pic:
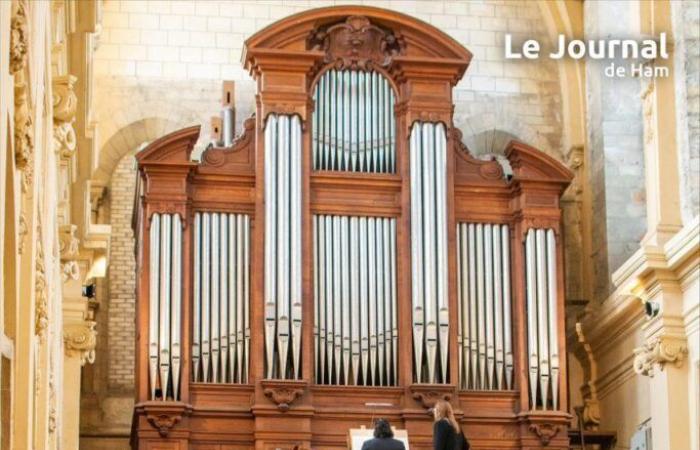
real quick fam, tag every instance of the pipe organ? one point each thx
(345, 257)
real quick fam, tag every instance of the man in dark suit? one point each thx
(383, 438)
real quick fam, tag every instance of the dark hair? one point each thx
(382, 429)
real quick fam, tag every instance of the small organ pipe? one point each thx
(531, 295)
(552, 310)
(196, 296)
(508, 344)
(542, 322)
(271, 174)
(176, 303)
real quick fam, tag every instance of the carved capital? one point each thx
(545, 431)
(80, 340)
(659, 352)
(283, 393)
(356, 43)
(64, 107)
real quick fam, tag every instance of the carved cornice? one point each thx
(80, 340)
(357, 43)
(658, 352)
(545, 431)
(283, 393)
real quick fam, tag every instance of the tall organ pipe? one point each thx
(353, 122)
(165, 306)
(483, 261)
(429, 252)
(543, 346)
(221, 313)
(356, 300)
(283, 314)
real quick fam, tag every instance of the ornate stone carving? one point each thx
(163, 422)
(545, 431)
(659, 352)
(69, 246)
(80, 340)
(590, 412)
(283, 396)
(64, 107)
(357, 44)
(41, 314)
(18, 36)
(22, 232)
(23, 133)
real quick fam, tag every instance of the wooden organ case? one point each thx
(347, 258)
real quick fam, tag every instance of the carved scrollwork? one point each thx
(163, 422)
(545, 431)
(657, 353)
(80, 340)
(429, 398)
(64, 107)
(238, 153)
(69, 247)
(283, 396)
(356, 43)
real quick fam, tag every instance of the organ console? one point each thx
(347, 249)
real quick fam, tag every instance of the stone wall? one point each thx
(615, 149)
(122, 277)
(167, 59)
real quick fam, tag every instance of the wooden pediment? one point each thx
(531, 164)
(355, 35)
(175, 147)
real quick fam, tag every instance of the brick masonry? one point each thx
(122, 280)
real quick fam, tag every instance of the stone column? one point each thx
(660, 147)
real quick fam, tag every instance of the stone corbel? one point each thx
(80, 340)
(69, 245)
(657, 353)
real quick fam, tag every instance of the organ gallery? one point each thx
(346, 257)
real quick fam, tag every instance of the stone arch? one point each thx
(127, 140)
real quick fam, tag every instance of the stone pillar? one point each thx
(660, 147)
(662, 358)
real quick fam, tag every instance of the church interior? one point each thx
(239, 224)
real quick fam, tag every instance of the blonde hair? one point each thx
(443, 410)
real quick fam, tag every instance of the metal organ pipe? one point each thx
(541, 276)
(283, 313)
(221, 294)
(165, 303)
(353, 122)
(355, 300)
(483, 281)
(429, 251)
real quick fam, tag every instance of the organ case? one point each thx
(346, 257)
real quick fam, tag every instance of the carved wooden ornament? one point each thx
(357, 44)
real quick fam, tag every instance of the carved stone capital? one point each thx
(80, 340)
(657, 353)
(545, 431)
(283, 393)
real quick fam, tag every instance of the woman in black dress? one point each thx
(447, 434)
